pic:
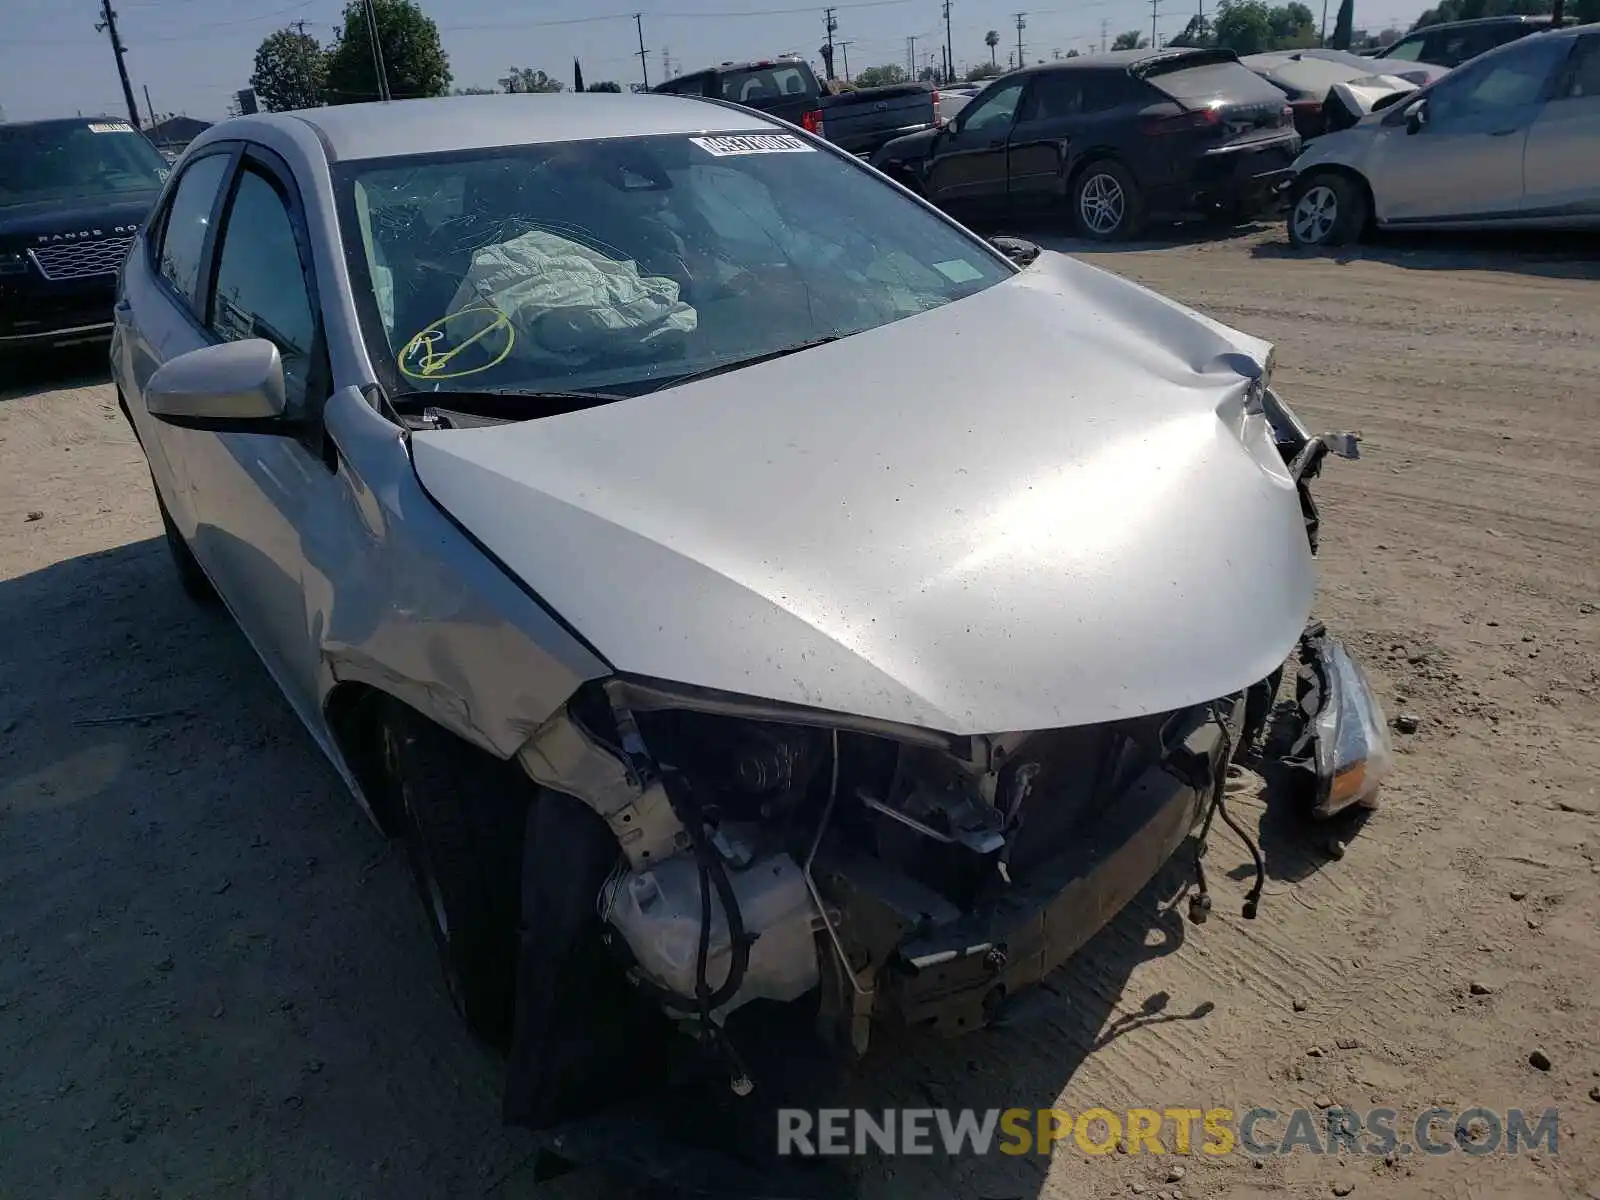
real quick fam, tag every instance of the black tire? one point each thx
(584, 1036)
(1106, 203)
(461, 813)
(1327, 208)
(190, 575)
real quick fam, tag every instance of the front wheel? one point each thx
(1105, 202)
(1327, 209)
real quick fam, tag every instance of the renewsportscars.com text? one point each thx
(1259, 1132)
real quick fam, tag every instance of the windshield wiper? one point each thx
(750, 361)
(496, 405)
(453, 398)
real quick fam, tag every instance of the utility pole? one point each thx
(1104, 25)
(108, 23)
(644, 66)
(844, 48)
(911, 57)
(376, 45)
(666, 63)
(1021, 25)
(1154, 44)
(300, 26)
(829, 25)
(949, 47)
(1322, 39)
(148, 107)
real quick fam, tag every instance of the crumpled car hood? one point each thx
(1043, 505)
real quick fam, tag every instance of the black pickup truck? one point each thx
(858, 121)
(73, 194)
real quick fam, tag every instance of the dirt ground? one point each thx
(214, 979)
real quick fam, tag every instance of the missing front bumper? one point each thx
(956, 978)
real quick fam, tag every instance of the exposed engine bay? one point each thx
(775, 852)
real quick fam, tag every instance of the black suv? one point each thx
(72, 195)
(1452, 43)
(1113, 139)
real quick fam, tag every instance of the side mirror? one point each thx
(1018, 250)
(231, 387)
(1417, 117)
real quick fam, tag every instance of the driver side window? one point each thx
(994, 111)
(1501, 84)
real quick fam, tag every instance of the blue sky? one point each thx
(193, 54)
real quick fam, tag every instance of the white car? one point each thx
(600, 479)
(1511, 139)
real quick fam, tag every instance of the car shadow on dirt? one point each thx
(1549, 255)
(32, 374)
(222, 964)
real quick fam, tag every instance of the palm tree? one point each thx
(991, 40)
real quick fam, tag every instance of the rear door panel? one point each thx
(1561, 166)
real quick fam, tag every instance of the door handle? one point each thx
(996, 143)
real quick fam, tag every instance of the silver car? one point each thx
(1510, 139)
(732, 578)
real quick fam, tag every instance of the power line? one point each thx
(949, 50)
(644, 65)
(108, 24)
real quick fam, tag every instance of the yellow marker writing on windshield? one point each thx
(424, 357)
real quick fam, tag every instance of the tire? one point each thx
(190, 575)
(584, 1036)
(461, 813)
(1327, 209)
(1106, 205)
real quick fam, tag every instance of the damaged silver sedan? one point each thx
(730, 577)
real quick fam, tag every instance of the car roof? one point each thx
(395, 128)
(1504, 19)
(755, 64)
(1126, 59)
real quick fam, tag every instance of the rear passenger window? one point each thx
(1584, 78)
(261, 289)
(188, 220)
(1406, 50)
(1052, 97)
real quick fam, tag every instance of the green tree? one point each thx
(983, 71)
(606, 85)
(1129, 41)
(1197, 32)
(1465, 10)
(991, 40)
(1342, 25)
(1243, 26)
(1071, 54)
(414, 62)
(526, 79)
(291, 71)
(1293, 26)
(883, 76)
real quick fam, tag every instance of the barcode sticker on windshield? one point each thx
(753, 143)
(110, 127)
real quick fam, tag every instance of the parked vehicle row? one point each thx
(1511, 139)
(1116, 140)
(860, 121)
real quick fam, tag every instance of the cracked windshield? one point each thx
(631, 263)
